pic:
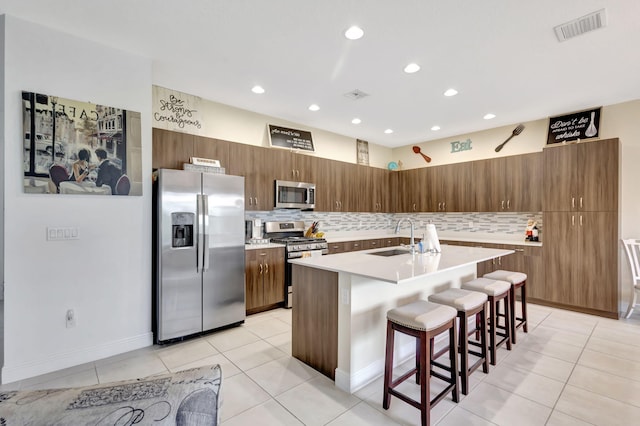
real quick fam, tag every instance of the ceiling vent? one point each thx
(582, 25)
(354, 95)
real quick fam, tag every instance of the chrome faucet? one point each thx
(412, 243)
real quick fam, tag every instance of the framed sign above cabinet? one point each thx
(284, 137)
(571, 127)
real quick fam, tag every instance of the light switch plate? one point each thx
(63, 233)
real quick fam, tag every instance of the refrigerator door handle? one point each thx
(200, 232)
(205, 231)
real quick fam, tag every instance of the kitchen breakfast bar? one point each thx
(340, 303)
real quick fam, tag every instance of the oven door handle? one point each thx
(304, 253)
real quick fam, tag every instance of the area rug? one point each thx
(187, 398)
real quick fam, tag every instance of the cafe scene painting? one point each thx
(73, 147)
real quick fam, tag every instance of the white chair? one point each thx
(632, 247)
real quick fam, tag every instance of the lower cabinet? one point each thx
(580, 253)
(264, 279)
(346, 246)
(526, 259)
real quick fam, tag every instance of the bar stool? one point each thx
(496, 291)
(468, 304)
(424, 321)
(518, 280)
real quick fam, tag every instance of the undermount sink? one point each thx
(392, 252)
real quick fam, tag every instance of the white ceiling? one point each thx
(501, 55)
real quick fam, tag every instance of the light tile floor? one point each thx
(570, 369)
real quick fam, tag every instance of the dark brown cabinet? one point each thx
(264, 279)
(581, 177)
(171, 149)
(509, 184)
(451, 188)
(261, 167)
(580, 257)
(581, 226)
(414, 188)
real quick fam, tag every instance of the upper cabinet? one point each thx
(171, 149)
(451, 188)
(509, 184)
(414, 190)
(261, 167)
(582, 176)
(501, 184)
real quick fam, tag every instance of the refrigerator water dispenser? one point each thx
(182, 229)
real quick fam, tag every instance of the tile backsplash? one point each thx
(485, 223)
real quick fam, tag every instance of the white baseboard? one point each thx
(354, 382)
(61, 360)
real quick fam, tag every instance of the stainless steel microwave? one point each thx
(295, 195)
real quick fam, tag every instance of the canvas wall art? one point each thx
(80, 148)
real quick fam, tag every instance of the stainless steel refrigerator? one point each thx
(199, 253)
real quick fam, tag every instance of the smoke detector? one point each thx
(356, 94)
(582, 25)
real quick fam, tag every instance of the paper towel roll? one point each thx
(431, 237)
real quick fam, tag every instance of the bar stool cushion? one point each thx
(488, 286)
(510, 276)
(462, 300)
(422, 315)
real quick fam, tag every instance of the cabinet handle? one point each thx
(502, 205)
(580, 220)
(573, 202)
(500, 261)
(519, 250)
(293, 173)
(297, 173)
(444, 205)
(250, 201)
(493, 261)
(414, 207)
(260, 268)
(581, 202)
(573, 220)
(266, 268)
(508, 204)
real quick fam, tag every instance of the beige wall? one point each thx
(237, 125)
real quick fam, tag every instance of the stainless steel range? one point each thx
(291, 234)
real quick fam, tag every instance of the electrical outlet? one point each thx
(71, 318)
(470, 225)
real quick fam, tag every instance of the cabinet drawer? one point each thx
(335, 248)
(372, 244)
(353, 245)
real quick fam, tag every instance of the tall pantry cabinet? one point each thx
(580, 206)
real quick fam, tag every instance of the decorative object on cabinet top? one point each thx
(417, 150)
(284, 137)
(574, 126)
(519, 128)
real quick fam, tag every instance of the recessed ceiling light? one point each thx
(411, 68)
(434, 128)
(354, 33)
(489, 116)
(257, 89)
(356, 121)
(313, 107)
(388, 131)
(451, 92)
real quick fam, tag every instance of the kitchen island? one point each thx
(340, 303)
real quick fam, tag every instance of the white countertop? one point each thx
(401, 268)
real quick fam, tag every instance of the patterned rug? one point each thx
(186, 398)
